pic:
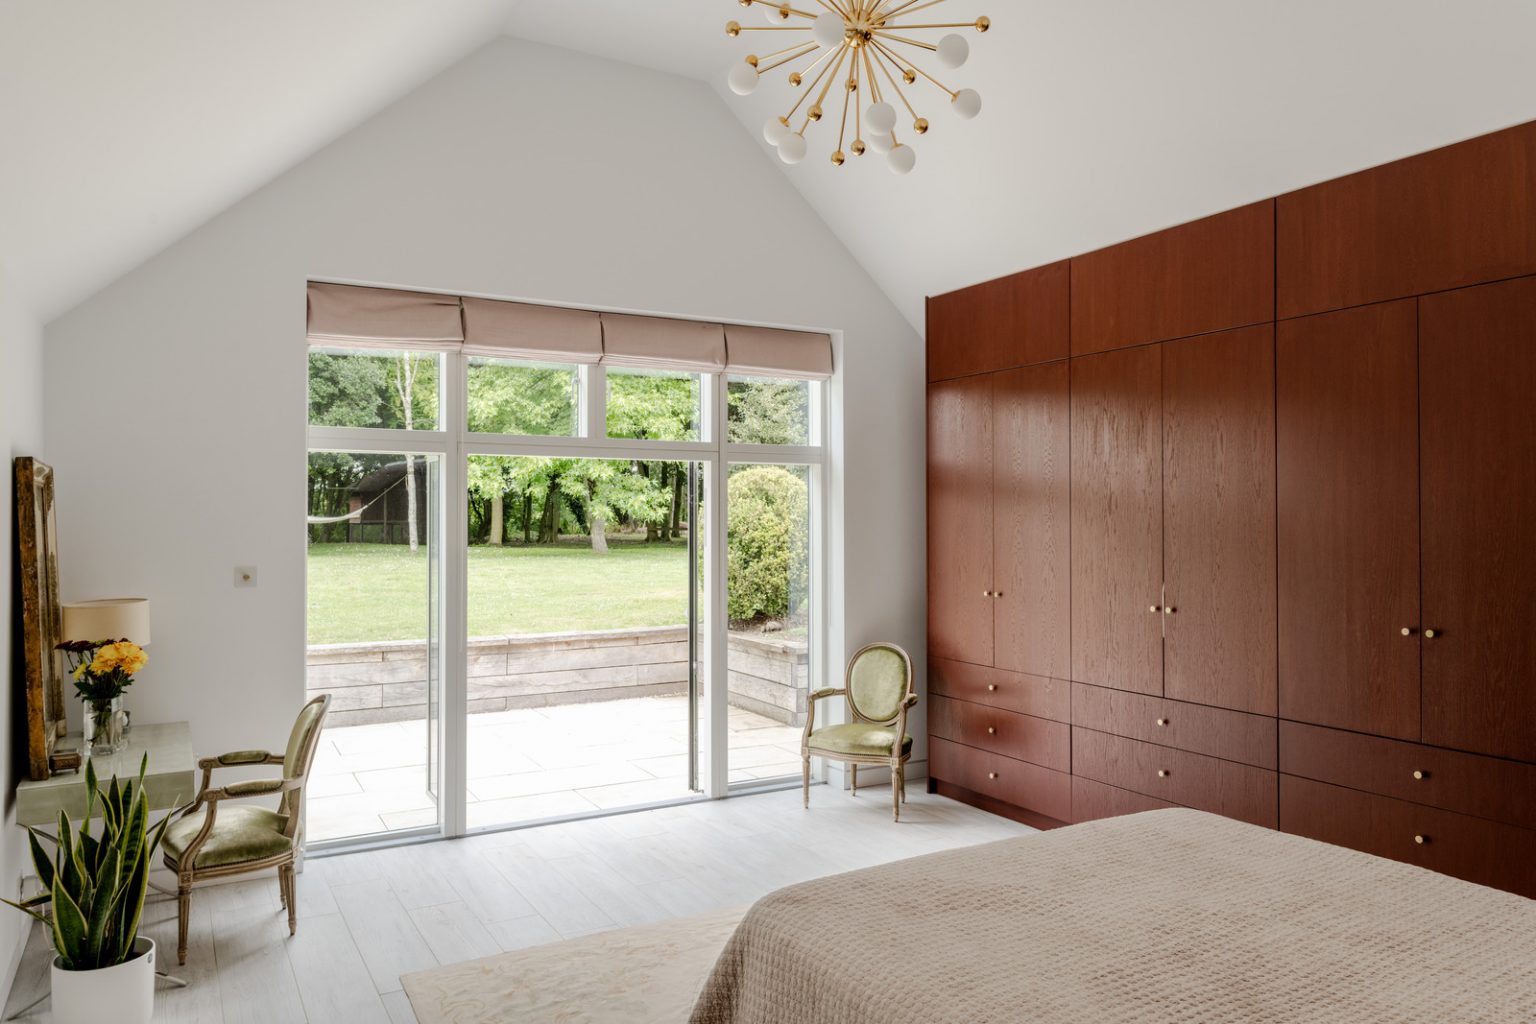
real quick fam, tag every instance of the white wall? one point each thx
(176, 396)
(21, 433)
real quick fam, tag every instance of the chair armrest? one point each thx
(242, 757)
(830, 692)
(252, 787)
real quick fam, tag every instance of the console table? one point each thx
(169, 781)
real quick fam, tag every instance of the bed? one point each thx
(1167, 917)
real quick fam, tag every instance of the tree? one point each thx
(768, 411)
(404, 380)
(767, 547)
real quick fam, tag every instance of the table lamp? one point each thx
(112, 618)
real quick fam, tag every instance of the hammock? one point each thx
(321, 520)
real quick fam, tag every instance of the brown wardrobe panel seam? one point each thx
(1182, 750)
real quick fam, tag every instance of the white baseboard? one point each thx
(839, 777)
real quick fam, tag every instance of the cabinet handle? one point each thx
(1162, 721)
(1420, 774)
(1155, 609)
(991, 730)
(1169, 611)
(986, 593)
(1162, 773)
(1421, 840)
(1407, 631)
(991, 775)
(998, 593)
(1430, 634)
(991, 686)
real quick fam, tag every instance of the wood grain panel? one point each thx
(1094, 800)
(1036, 740)
(1207, 275)
(1029, 695)
(1232, 735)
(1462, 215)
(960, 520)
(1347, 481)
(1477, 359)
(1031, 520)
(1484, 787)
(1011, 321)
(1219, 519)
(1117, 520)
(1485, 852)
(1002, 778)
(1192, 780)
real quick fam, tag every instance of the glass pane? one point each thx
(372, 628)
(537, 399)
(761, 410)
(578, 584)
(768, 603)
(659, 405)
(353, 388)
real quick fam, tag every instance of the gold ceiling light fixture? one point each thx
(866, 46)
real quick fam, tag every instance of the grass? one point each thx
(365, 592)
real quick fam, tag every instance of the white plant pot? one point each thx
(124, 994)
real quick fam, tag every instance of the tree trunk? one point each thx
(498, 512)
(527, 517)
(599, 541)
(405, 386)
(677, 500)
(549, 530)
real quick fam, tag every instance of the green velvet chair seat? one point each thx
(857, 738)
(240, 834)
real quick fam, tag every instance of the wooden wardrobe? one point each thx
(1241, 516)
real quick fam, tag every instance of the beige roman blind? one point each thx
(347, 316)
(768, 352)
(658, 343)
(521, 330)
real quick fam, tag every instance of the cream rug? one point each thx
(645, 975)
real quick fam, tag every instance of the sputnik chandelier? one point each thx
(864, 46)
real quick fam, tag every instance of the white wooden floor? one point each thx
(366, 918)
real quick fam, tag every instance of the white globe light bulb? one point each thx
(879, 143)
(792, 148)
(742, 79)
(829, 30)
(967, 103)
(953, 50)
(902, 159)
(774, 131)
(881, 117)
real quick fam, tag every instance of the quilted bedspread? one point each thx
(1168, 917)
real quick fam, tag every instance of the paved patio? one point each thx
(531, 763)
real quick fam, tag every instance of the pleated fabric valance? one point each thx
(352, 316)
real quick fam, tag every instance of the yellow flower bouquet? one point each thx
(102, 671)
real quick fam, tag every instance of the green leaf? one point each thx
(68, 929)
(41, 862)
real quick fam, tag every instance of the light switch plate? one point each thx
(245, 575)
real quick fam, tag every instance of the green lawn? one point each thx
(365, 592)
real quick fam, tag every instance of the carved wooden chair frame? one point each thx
(896, 760)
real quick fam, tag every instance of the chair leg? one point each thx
(282, 888)
(854, 785)
(901, 773)
(805, 780)
(896, 790)
(183, 916)
(286, 873)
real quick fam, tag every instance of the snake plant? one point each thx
(97, 884)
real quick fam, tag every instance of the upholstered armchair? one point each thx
(878, 688)
(213, 841)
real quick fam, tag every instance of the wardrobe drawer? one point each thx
(1025, 737)
(1486, 787)
(1012, 691)
(1094, 800)
(1230, 735)
(1486, 852)
(1235, 790)
(1002, 778)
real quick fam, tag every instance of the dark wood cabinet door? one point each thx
(1219, 519)
(1477, 359)
(1348, 488)
(1207, 275)
(960, 520)
(1013, 321)
(1031, 520)
(1462, 215)
(1117, 519)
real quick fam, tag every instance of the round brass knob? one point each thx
(1421, 840)
(998, 594)
(991, 686)
(991, 730)
(986, 593)
(991, 775)
(1169, 611)
(1154, 609)
(1162, 773)
(1430, 634)
(1162, 721)
(1407, 631)
(1421, 774)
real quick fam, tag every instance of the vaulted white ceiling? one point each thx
(124, 125)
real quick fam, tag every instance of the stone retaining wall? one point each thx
(387, 681)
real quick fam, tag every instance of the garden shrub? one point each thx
(766, 543)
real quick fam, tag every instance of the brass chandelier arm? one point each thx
(940, 24)
(887, 15)
(809, 67)
(814, 82)
(803, 51)
(842, 53)
(849, 89)
(886, 34)
(903, 96)
(894, 59)
(778, 7)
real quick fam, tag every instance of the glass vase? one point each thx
(104, 721)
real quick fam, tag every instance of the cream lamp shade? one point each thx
(113, 618)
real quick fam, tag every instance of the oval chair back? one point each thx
(879, 680)
(300, 755)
